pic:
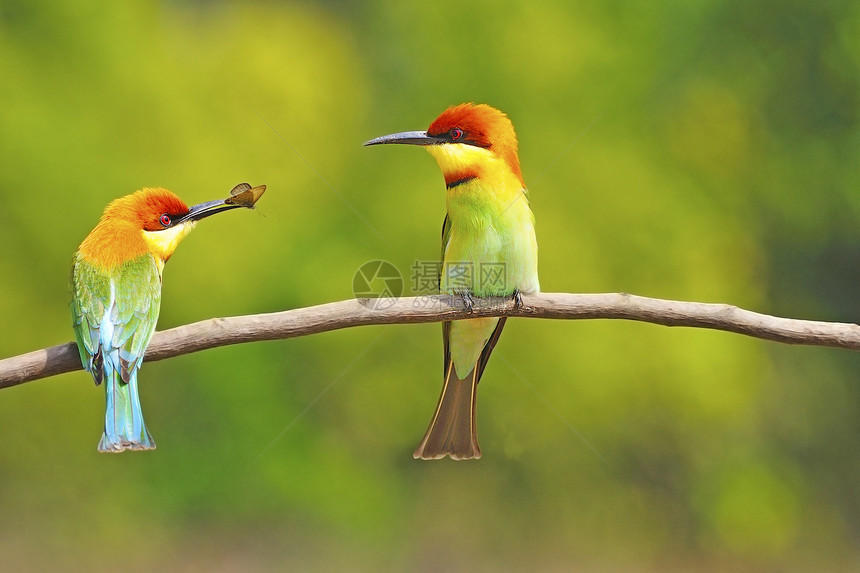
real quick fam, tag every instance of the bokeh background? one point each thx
(694, 150)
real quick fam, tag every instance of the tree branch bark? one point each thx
(362, 312)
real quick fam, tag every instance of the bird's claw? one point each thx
(467, 301)
(518, 300)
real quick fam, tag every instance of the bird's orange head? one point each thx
(468, 141)
(481, 126)
(147, 221)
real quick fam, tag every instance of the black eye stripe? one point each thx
(453, 135)
(464, 137)
(168, 220)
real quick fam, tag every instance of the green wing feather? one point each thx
(133, 314)
(90, 289)
(446, 236)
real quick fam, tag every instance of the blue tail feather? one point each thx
(124, 426)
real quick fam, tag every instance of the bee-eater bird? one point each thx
(116, 295)
(488, 249)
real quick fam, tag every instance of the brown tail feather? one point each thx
(452, 430)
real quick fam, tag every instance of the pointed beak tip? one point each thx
(406, 137)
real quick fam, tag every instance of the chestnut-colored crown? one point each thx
(145, 207)
(482, 126)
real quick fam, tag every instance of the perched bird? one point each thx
(488, 249)
(116, 295)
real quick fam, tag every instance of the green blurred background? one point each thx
(695, 150)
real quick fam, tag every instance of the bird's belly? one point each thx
(467, 339)
(490, 263)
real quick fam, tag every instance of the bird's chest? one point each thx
(478, 255)
(474, 238)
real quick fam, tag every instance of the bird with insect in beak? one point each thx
(116, 295)
(488, 249)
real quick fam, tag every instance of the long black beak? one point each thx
(206, 209)
(242, 195)
(407, 137)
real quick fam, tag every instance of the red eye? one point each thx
(456, 133)
(164, 220)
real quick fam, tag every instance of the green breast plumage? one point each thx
(488, 246)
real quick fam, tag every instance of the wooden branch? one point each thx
(361, 312)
